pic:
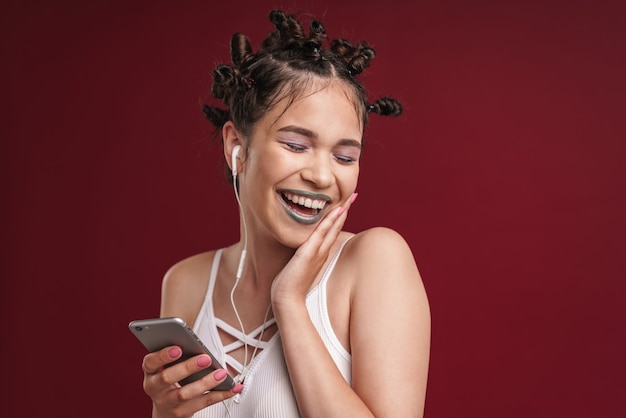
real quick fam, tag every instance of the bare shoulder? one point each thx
(380, 236)
(185, 285)
(385, 274)
(380, 249)
(397, 331)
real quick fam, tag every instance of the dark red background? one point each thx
(505, 174)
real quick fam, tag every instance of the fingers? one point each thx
(203, 388)
(158, 376)
(294, 281)
(327, 231)
(154, 362)
(200, 393)
(186, 400)
(337, 218)
(160, 383)
(342, 213)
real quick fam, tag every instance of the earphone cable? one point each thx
(239, 272)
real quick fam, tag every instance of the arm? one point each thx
(389, 330)
(182, 294)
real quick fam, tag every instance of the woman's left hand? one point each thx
(294, 281)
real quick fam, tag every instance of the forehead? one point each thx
(325, 105)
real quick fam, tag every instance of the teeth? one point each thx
(305, 201)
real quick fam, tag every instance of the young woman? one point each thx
(309, 319)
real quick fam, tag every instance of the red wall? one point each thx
(505, 174)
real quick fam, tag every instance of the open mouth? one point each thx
(304, 208)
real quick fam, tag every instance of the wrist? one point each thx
(288, 306)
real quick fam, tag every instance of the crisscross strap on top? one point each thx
(242, 339)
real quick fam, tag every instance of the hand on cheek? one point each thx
(294, 282)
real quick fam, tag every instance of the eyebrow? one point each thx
(312, 135)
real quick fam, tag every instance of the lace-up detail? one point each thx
(267, 389)
(251, 339)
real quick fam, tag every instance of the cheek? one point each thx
(269, 167)
(280, 164)
(350, 181)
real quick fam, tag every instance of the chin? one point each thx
(295, 237)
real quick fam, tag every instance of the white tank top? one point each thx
(267, 390)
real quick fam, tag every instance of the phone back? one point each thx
(158, 333)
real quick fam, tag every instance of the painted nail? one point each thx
(220, 374)
(238, 388)
(174, 352)
(353, 198)
(204, 361)
(341, 210)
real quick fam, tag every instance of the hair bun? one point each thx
(223, 82)
(386, 106)
(287, 60)
(240, 49)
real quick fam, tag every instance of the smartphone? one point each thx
(158, 333)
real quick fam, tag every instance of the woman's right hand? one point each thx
(169, 399)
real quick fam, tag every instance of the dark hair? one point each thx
(288, 62)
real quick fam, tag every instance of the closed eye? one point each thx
(295, 147)
(345, 159)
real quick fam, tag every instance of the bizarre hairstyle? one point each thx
(287, 63)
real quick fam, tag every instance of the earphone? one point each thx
(233, 160)
(242, 258)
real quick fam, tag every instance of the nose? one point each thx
(319, 171)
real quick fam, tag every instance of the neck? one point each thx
(263, 261)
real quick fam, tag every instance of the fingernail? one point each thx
(238, 388)
(174, 352)
(341, 210)
(353, 198)
(220, 374)
(204, 361)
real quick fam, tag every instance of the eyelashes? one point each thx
(345, 159)
(295, 147)
(341, 155)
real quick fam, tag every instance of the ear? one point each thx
(232, 137)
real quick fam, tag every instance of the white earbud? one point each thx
(233, 161)
(242, 257)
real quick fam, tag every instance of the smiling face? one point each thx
(302, 161)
